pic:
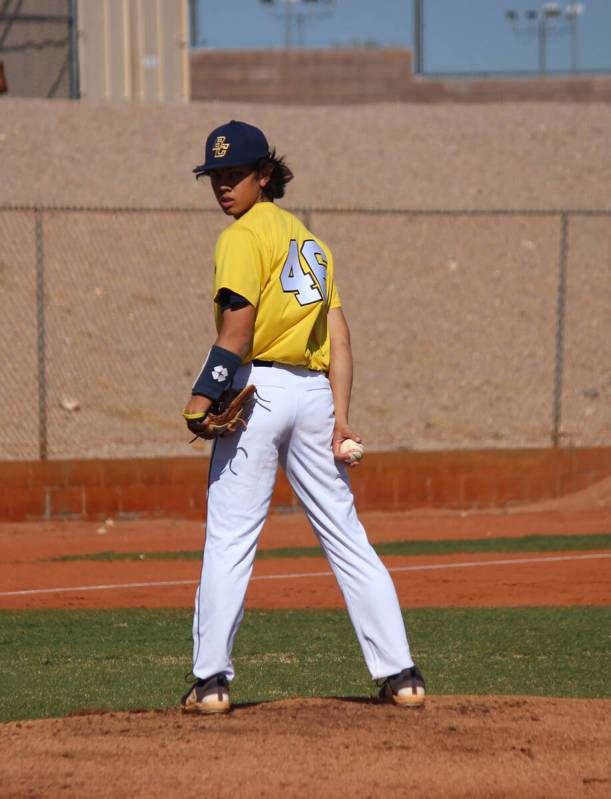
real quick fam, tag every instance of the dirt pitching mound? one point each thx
(455, 747)
(596, 497)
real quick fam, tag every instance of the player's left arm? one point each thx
(235, 336)
(340, 377)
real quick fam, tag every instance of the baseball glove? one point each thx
(224, 415)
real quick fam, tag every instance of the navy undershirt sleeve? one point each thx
(230, 299)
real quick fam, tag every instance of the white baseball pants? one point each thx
(291, 424)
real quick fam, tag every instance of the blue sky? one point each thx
(459, 35)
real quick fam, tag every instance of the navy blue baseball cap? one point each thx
(233, 144)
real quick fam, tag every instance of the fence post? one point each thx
(560, 328)
(41, 336)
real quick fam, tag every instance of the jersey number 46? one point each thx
(309, 285)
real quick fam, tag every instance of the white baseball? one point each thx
(352, 450)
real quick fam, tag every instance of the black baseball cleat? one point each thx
(405, 689)
(207, 696)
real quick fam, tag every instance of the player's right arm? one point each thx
(238, 272)
(340, 377)
(236, 330)
(235, 336)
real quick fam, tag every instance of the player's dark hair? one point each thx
(272, 165)
(280, 174)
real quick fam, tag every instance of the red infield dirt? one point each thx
(456, 747)
(27, 580)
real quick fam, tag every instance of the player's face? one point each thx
(237, 188)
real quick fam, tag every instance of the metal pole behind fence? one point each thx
(560, 328)
(41, 336)
(73, 51)
(418, 38)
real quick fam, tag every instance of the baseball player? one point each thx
(280, 327)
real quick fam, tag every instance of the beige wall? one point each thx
(133, 50)
(453, 315)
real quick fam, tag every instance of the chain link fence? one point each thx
(470, 329)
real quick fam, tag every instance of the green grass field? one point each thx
(58, 662)
(528, 543)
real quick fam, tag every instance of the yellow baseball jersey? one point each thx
(271, 259)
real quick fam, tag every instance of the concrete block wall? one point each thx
(365, 75)
(175, 487)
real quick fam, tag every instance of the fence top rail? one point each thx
(119, 209)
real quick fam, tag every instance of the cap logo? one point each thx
(220, 147)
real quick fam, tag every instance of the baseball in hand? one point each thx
(351, 450)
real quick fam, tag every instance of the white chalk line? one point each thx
(474, 564)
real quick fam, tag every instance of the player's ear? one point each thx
(265, 174)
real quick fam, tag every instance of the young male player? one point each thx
(280, 326)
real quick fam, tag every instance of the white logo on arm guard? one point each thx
(220, 373)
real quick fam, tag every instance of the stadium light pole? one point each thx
(540, 17)
(547, 11)
(573, 11)
(298, 10)
(418, 37)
